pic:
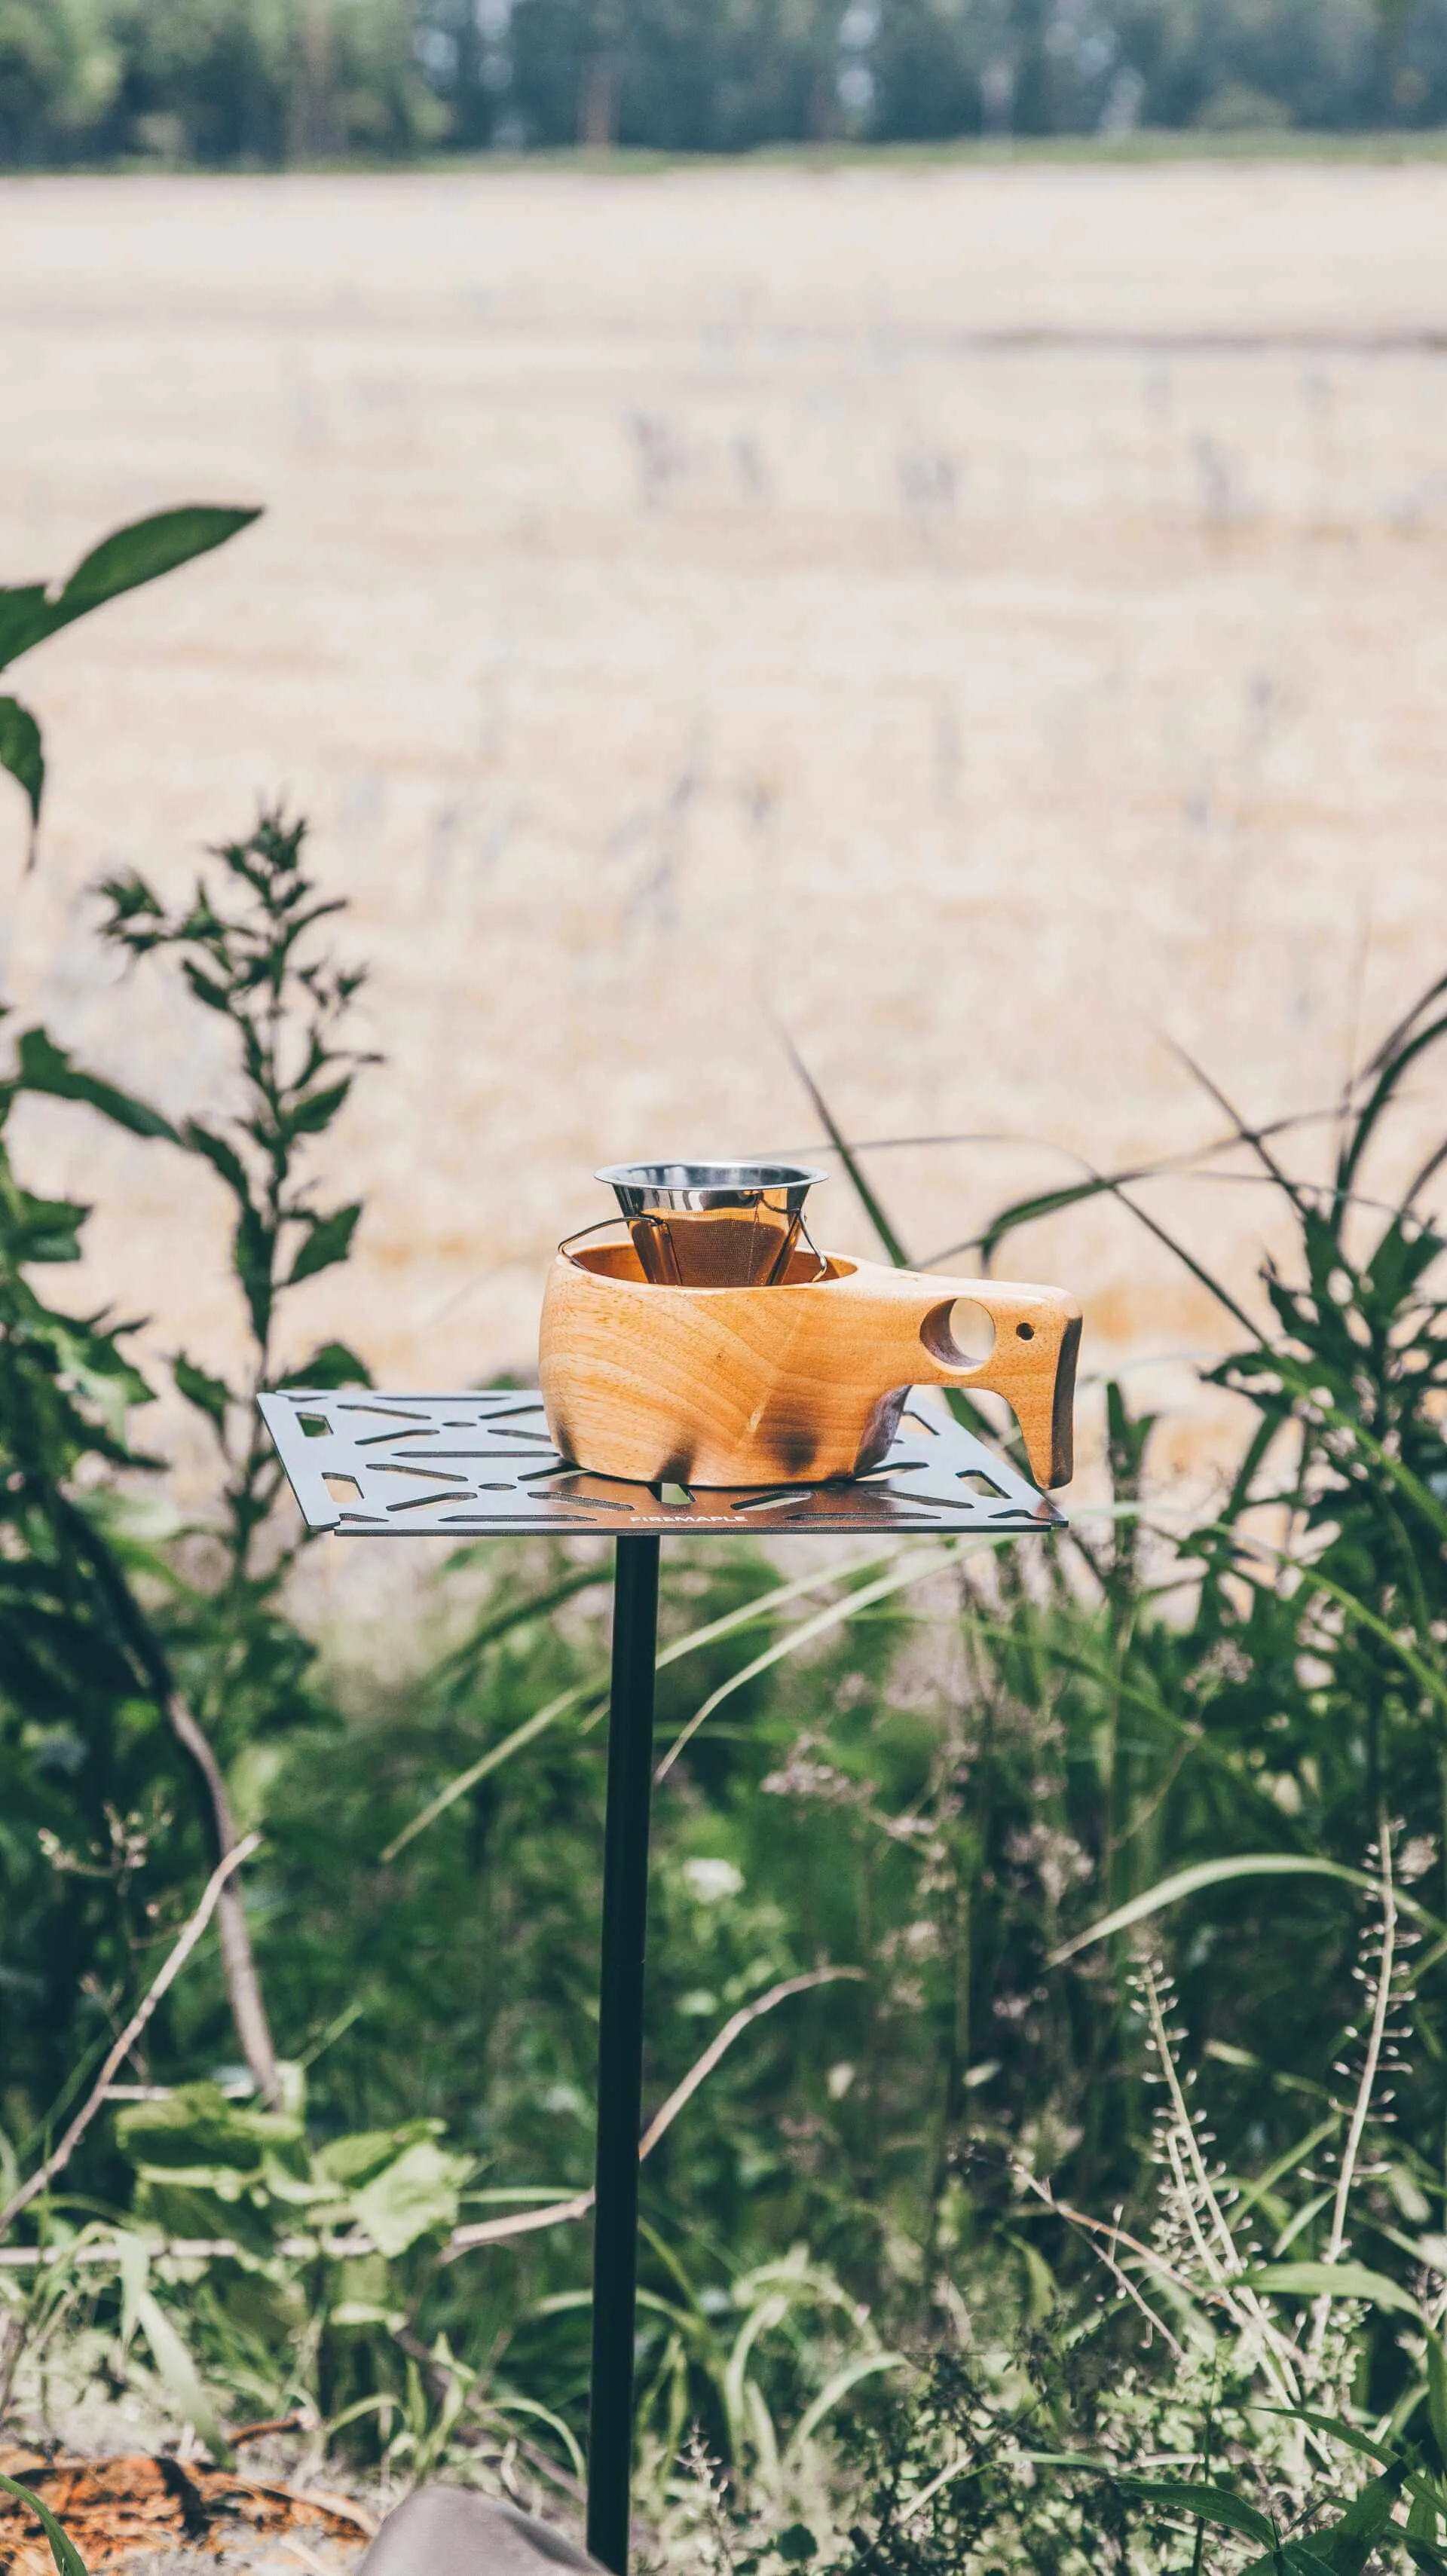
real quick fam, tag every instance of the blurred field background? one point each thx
(983, 618)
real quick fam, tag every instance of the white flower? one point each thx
(710, 1880)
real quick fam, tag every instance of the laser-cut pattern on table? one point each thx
(370, 1465)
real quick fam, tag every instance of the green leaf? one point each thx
(1218, 1873)
(1207, 2503)
(210, 1395)
(1348, 2544)
(46, 1230)
(48, 1068)
(414, 2196)
(20, 751)
(198, 2125)
(330, 1366)
(63, 2550)
(1331, 2281)
(142, 552)
(796, 2544)
(25, 616)
(205, 987)
(220, 1154)
(1423, 2555)
(359, 2155)
(318, 1109)
(329, 1241)
(251, 1254)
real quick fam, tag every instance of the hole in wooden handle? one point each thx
(960, 1334)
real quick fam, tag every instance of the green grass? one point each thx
(1287, 146)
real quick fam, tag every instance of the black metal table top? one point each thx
(367, 1465)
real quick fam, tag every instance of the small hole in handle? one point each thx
(1025, 1332)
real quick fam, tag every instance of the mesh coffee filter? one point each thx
(713, 1225)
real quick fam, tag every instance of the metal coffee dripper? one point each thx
(714, 1225)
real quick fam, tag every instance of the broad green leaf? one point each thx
(142, 552)
(21, 753)
(48, 1068)
(796, 2545)
(415, 2196)
(329, 1241)
(198, 2125)
(62, 2549)
(1207, 2503)
(1220, 1873)
(1330, 2281)
(347, 2162)
(210, 1395)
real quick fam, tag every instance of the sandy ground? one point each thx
(988, 618)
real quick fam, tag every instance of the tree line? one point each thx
(267, 82)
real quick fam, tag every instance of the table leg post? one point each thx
(620, 2047)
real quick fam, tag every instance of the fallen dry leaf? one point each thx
(129, 2507)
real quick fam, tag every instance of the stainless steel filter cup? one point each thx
(713, 1225)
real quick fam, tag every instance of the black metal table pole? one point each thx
(620, 2047)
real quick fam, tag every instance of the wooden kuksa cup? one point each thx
(784, 1385)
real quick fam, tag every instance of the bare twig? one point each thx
(60, 2156)
(732, 2030)
(1092, 2228)
(490, 2231)
(486, 2231)
(243, 1986)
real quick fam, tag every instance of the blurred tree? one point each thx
(928, 62)
(59, 72)
(267, 81)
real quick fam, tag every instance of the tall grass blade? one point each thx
(1220, 1873)
(913, 1570)
(62, 2548)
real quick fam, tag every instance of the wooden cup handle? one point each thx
(1032, 1362)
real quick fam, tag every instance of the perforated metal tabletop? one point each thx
(366, 1465)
